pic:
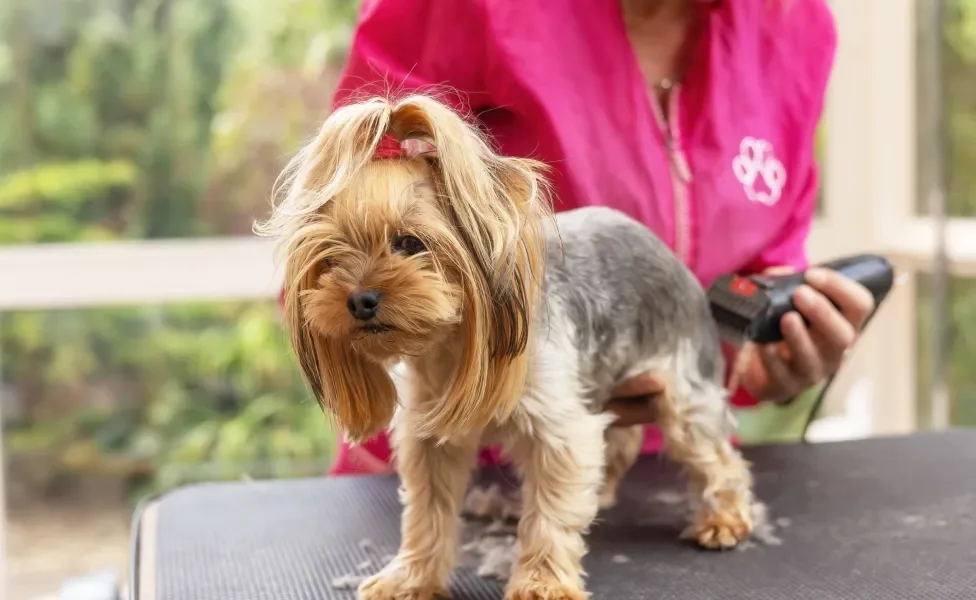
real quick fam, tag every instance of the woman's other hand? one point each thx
(632, 401)
(835, 308)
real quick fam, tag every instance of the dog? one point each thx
(513, 324)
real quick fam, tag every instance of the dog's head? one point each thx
(391, 253)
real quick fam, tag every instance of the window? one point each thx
(946, 136)
(947, 70)
(961, 347)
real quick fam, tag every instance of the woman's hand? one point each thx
(810, 353)
(632, 402)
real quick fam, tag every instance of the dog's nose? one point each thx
(363, 304)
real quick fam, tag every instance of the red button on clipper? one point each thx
(743, 287)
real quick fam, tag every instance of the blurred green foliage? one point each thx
(165, 396)
(139, 119)
(957, 47)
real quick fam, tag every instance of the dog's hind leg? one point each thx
(697, 425)
(623, 445)
(433, 478)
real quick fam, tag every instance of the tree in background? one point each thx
(157, 119)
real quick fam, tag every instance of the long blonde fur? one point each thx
(493, 249)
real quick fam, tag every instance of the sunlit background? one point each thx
(140, 346)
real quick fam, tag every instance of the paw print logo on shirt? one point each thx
(761, 174)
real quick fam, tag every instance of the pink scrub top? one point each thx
(731, 185)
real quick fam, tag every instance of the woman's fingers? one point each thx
(852, 299)
(806, 364)
(633, 400)
(781, 382)
(834, 332)
(633, 411)
(640, 385)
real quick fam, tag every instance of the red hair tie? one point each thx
(389, 147)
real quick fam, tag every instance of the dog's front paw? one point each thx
(722, 524)
(543, 587)
(400, 582)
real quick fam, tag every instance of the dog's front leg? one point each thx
(562, 461)
(433, 480)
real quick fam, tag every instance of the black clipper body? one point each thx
(750, 308)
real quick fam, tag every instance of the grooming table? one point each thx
(874, 520)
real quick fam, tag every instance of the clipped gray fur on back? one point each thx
(628, 297)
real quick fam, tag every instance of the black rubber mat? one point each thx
(872, 520)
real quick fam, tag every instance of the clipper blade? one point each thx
(730, 331)
(738, 307)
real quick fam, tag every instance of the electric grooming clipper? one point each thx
(750, 308)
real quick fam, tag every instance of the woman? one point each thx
(696, 117)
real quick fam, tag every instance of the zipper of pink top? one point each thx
(680, 173)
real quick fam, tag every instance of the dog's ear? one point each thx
(498, 206)
(357, 393)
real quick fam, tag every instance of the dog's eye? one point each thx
(408, 244)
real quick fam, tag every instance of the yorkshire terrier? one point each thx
(407, 239)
